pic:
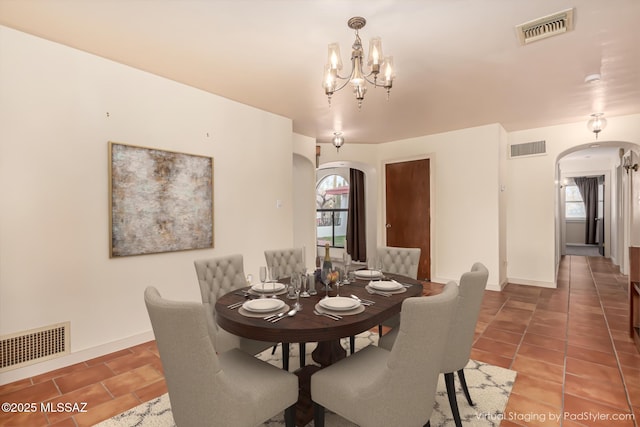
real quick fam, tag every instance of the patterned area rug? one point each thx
(489, 387)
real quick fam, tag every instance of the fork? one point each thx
(330, 316)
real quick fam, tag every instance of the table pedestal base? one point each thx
(304, 406)
(328, 352)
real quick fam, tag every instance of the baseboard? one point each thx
(527, 282)
(74, 357)
(490, 286)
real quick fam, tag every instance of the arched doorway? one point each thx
(605, 160)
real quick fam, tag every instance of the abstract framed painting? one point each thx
(159, 201)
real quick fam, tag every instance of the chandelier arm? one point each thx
(346, 81)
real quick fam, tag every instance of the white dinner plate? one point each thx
(269, 288)
(263, 305)
(385, 285)
(339, 303)
(368, 274)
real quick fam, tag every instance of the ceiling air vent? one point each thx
(547, 26)
(536, 148)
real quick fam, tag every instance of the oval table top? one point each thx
(306, 326)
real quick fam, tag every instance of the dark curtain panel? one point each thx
(356, 224)
(588, 187)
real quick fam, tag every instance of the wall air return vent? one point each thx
(33, 346)
(544, 27)
(527, 149)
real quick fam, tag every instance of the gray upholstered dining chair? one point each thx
(227, 389)
(397, 380)
(218, 276)
(460, 340)
(404, 261)
(287, 261)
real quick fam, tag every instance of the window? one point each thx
(574, 206)
(332, 203)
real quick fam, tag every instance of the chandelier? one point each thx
(378, 65)
(597, 123)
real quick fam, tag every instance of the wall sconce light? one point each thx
(626, 164)
(597, 123)
(337, 140)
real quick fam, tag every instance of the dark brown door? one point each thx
(408, 209)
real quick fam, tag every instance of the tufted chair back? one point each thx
(287, 261)
(400, 260)
(218, 276)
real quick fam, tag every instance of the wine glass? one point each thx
(347, 267)
(304, 284)
(296, 286)
(339, 281)
(325, 277)
(294, 282)
(275, 276)
(371, 264)
(311, 284)
(263, 278)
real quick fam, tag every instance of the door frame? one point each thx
(607, 207)
(382, 230)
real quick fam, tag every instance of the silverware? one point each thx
(402, 284)
(281, 316)
(272, 316)
(362, 301)
(374, 292)
(242, 293)
(330, 316)
(235, 305)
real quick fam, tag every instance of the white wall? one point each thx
(54, 129)
(465, 194)
(304, 205)
(574, 229)
(503, 201)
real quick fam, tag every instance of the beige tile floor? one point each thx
(576, 364)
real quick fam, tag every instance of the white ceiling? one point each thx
(458, 62)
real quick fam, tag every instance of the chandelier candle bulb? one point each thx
(375, 53)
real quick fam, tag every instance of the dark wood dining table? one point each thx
(306, 326)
